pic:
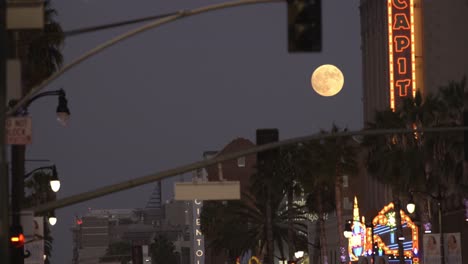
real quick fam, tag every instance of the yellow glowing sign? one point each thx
(382, 219)
(402, 63)
(254, 260)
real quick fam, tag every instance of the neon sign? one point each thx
(357, 241)
(402, 63)
(199, 245)
(383, 225)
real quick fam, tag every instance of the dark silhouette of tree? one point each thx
(118, 251)
(163, 251)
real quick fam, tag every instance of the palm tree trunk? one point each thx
(270, 246)
(339, 212)
(290, 223)
(323, 234)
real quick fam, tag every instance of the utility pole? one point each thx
(4, 183)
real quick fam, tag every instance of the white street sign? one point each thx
(25, 14)
(222, 190)
(19, 130)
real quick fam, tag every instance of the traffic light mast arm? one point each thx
(78, 198)
(129, 34)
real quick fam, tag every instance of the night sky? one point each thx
(159, 100)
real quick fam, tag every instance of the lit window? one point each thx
(241, 162)
(345, 181)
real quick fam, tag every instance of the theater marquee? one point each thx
(402, 65)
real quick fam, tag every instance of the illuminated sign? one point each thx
(384, 227)
(252, 260)
(402, 64)
(199, 246)
(357, 241)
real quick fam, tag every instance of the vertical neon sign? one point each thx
(402, 64)
(199, 241)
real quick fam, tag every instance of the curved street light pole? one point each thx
(109, 43)
(4, 181)
(125, 185)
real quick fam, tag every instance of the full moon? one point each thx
(327, 80)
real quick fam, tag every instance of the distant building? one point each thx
(409, 46)
(94, 232)
(438, 45)
(233, 170)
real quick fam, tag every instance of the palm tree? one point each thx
(324, 164)
(395, 160)
(163, 251)
(431, 160)
(222, 224)
(286, 167)
(264, 211)
(40, 51)
(40, 56)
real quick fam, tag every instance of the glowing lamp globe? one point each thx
(411, 207)
(299, 254)
(52, 220)
(327, 80)
(55, 185)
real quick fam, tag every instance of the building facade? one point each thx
(409, 46)
(96, 231)
(233, 170)
(439, 48)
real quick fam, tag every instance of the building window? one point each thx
(241, 162)
(345, 181)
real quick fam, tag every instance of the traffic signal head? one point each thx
(17, 237)
(304, 26)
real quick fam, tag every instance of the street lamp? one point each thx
(348, 232)
(52, 218)
(299, 254)
(54, 184)
(54, 180)
(63, 113)
(411, 205)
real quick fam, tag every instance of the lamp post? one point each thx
(54, 184)
(18, 159)
(348, 231)
(54, 181)
(411, 207)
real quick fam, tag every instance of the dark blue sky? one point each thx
(160, 99)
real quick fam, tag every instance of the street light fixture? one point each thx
(54, 181)
(438, 199)
(299, 254)
(54, 184)
(52, 219)
(348, 232)
(63, 113)
(411, 206)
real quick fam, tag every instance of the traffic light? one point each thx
(304, 25)
(292, 262)
(16, 237)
